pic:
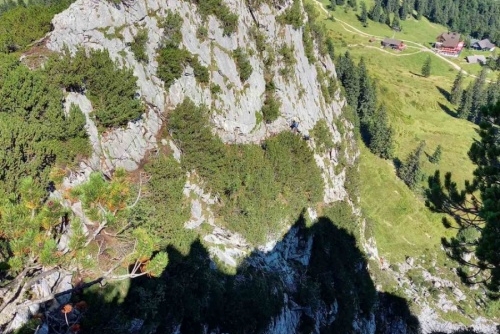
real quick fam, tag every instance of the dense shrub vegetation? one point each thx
(288, 59)
(171, 59)
(111, 89)
(271, 108)
(35, 132)
(242, 64)
(248, 178)
(138, 45)
(164, 209)
(292, 15)
(322, 136)
(308, 44)
(314, 30)
(21, 25)
(221, 11)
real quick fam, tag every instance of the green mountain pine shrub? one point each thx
(111, 89)
(35, 133)
(258, 186)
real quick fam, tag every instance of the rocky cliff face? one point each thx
(111, 27)
(92, 24)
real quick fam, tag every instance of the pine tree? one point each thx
(375, 11)
(380, 134)
(420, 7)
(353, 4)
(31, 224)
(396, 25)
(493, 92)
(466, 103)
(478, 97)
(367, 100)
(403, 10)
(333, 4)
(348, 75)
(436, 156)
(387, 18)
(457, 90)
(472, 215)
(410, 170)
(426, 68)
(364, 15)
(383, 18)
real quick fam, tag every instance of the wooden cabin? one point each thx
(393, 44)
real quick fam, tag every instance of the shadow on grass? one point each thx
(316, 274)
(447, 110)
(397, 163)
(417, 74)
(444, 92)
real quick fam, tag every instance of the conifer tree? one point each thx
(333, 4)
(420, 7)
(472, 214)
(387, 18)
(374, 13)
(493, 92)
(436, 156)
(367, 100)
(353, 4)
(426, 68)
(457, 90)
(348, 75)
(403, 10)
(381, 135)
(478, 97)
(32, 226)
(383, 17)
(410, 170)
(364, 15)
(466, 103)
(396, 25)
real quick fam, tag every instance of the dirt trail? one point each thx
(421, 47)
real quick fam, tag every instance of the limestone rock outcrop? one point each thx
(93, 24)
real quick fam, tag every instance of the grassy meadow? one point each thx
(418, 110)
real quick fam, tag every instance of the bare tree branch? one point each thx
(59, 294)
(138, 194)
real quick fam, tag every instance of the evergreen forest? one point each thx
(477, 18)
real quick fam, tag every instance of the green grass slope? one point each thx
(418, 110)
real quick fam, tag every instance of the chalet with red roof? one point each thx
(449, 44)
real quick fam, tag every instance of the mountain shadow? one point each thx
(314, 280)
